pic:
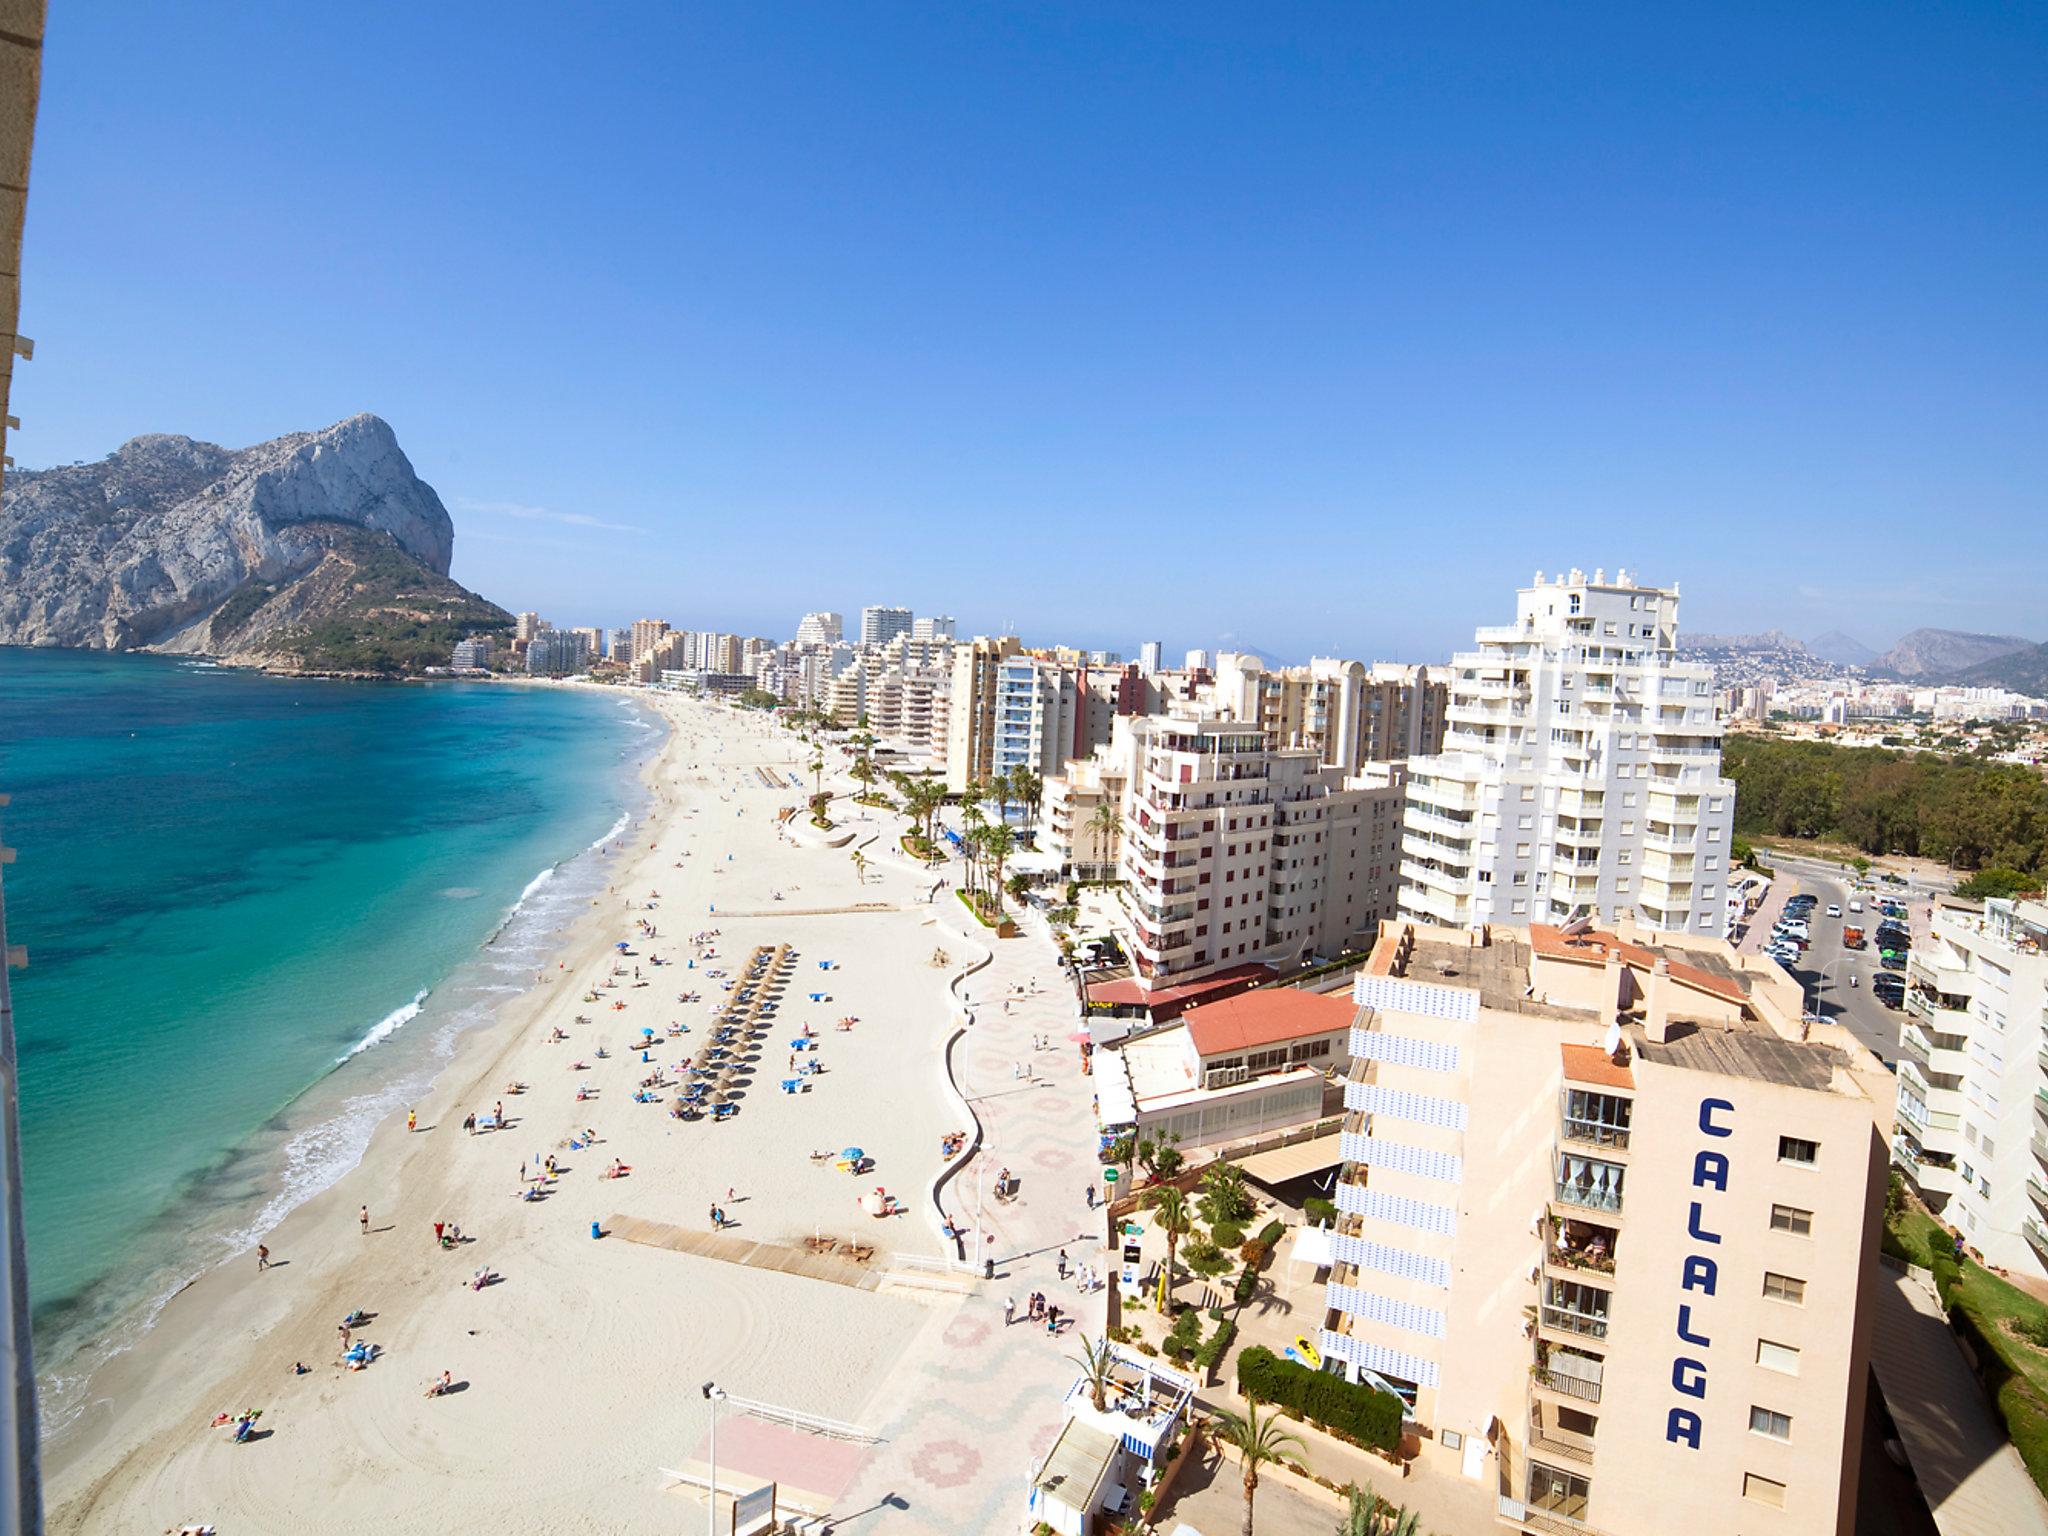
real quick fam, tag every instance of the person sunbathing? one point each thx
(441, 1385)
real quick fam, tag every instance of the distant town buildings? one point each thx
(525, 626)
(819, 629)
(1151, 657)
(1581, 771)
(473, 654)
(937, 627)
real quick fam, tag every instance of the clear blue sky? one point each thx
(1316, 328)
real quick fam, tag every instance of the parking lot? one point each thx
(1827, 967)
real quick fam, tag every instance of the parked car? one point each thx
(1856, 904)
(1834, 910)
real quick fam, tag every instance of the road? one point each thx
(1824, 970)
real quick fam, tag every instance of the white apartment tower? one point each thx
(820, 629)
(1973, 1077)
(1151, 657)
(1580, 771)
(879, 625)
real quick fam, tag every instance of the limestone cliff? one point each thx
(318, 550)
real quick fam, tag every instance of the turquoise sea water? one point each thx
(235, 890)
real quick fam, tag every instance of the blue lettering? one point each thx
(1707, 1111)
(1710, 1169)
(1685, 1332)
(1700, 1274)
(1689, 1376)
(1683, 1428)
(1695, 1230)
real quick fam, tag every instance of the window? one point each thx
(1796, 1149)
(1784, 1288)
(1782, 1358)
(1768, 1421)
(1789, 1218)
(1763, 1490)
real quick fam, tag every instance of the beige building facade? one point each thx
(1608, 1224)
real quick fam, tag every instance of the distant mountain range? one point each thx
(1924, 656)
(318, 551)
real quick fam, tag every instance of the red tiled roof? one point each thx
(1590, 1064)
(1266, 1017)
(1554, 944)
(1126, 989)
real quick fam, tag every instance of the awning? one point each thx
(1284, 1163)
(1314, 1245)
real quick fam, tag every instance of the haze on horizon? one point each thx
(1315, 332)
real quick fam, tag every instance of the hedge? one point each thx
(1365, 1414)
(1271, 1233)
(1212, 1348)
(1247, 1284)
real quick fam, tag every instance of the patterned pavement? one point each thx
(972, 1405)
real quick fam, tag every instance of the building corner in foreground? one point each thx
(21, 1505)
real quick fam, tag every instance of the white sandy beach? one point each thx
(578, 1370)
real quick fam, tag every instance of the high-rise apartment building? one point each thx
(1608, 1213)
(619, 645)
(1235, 853)
(820, 629)
(879, 625)
(937, 627)
(1972, 1130)
(526, 625)
(1581, 771)
(646, 632)
(1349, 714)
(1151, 657)
(1195, 661)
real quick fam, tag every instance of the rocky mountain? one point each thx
(1843, 650)
(2022, 671)
(315, 551)
(1937, 655)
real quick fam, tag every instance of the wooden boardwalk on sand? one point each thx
(878, 1271)
(829, 1267)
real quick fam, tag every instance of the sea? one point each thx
(260, 913)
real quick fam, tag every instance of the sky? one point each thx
(1307, 329)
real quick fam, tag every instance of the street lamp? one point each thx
(1820, 982)
(714, 1395)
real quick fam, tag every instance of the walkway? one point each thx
(1973, 1479)
(973, 1405)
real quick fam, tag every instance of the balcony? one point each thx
(1595, 1133)
(2036, 1235)
(1585, 1325)
(1568, 1373)
(1553, 1439)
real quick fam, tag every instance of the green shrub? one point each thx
(1319, 1210)
(1205, 1259)
(1180, 1340)
(1213, 1347)
(1365, 1414)
(1946, 1273)
(1271, 1233)
(1227, 1234)
(1247, 1284)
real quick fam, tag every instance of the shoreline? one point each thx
(314, 1112)
(140, 1451)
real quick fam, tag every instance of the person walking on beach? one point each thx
(412, 1119)
(1091, 1197)
(1009, 1310)
(363, 1218)
(262, 1258)
(1063, 1263)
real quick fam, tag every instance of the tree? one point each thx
(1371, 1515)
(1003, 790)
(1029, 788)
(1224, 1195)
(1098, 1366)
(818, 771)
(860, 867)
(1176, 1221)
(1258, 1440)
(863, 773)
(998, 843)
(1107, 824)
(973, 828)
(1160, 1158)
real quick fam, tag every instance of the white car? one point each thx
(1855, 906)
(1834, 910)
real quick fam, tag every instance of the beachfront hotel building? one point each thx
(1973, 1077)
(1010, 708)
(820, 629)
(1240, 860)
(1608, 1213)
(1580, 771)
(646, 634)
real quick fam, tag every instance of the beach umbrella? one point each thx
(622, 944)
(853, 1154)
(717, 1096)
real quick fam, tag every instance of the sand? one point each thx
(578, 1370)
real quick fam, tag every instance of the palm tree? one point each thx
(1176, 1221)
(860, 867)
(1257, 1441)
(1098, 1366)
(1107, 824)
(973, 825)
(1003, 790)
(1029, 788)
(818, 771)
(863, 773)
(998, 843)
